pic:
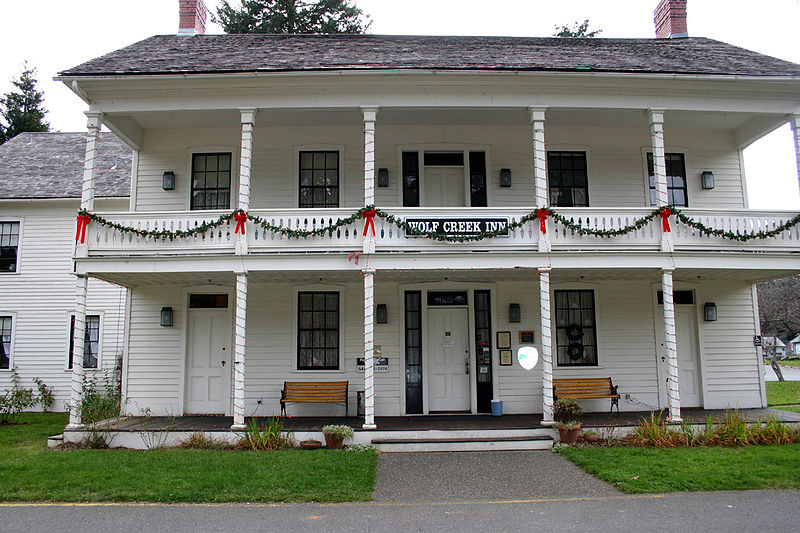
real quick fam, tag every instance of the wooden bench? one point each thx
(586, 388)
(314, 392)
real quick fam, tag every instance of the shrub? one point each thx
(203, 441)
(101, 400)
(338, 431)
(45, 394)
(567, 411)
(15, 400)
(270, 438)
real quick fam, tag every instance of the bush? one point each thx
(567, 411)
(101, 400)
(203, 441)
(15, 400)
(45, 394)
(270, 438)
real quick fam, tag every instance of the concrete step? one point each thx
(54, 441)
(463, 444)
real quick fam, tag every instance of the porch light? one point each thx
(514, 313)
(707, 178)
(383, 177)
(168, 180)
(710, 312)
(166, 316)
(381, 314)
(505, 177)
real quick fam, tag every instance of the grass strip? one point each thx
(783, 392)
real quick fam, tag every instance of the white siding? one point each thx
(42, 294)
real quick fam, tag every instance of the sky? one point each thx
(53, 35)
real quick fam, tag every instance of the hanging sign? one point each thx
(458, 227)
(379, 363)
(527, 356)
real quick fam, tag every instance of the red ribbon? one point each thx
(665, 213)
(369, 217)
(542, 215)
(240, 217)
(353, 257)
(80, 233)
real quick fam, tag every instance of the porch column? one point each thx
(248, 118)
(79, 331)
(369, 346)
(370, 115)
(795, 121)
(671, 348)
(89, 170)
(540, 167)
(660, 169)
(239, 350)
(547, 353)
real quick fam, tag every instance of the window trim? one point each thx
(19, 221)
(89, 312)
(13, 315)
(586, 159)
(343, 362)
(321, 147)
(300, 186)
(667, 150)
(206, 149)
(554, 320)
(231, 197)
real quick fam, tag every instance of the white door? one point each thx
(209, 359)
(444, 187)
(688, 373)
(448, 360)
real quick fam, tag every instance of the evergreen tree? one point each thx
(22, 110)
(291, 16)
(576, 30)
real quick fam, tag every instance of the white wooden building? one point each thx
(40, 188)
(457, 136)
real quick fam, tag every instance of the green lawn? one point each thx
(783, 392)
(640, 470)
(793, 363)
(30, 472)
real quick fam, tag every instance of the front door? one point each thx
(688, 373)
(448, 360)
(444, 187)
(209, 358)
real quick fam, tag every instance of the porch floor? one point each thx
(428, 422)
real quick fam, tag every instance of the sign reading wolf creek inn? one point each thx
(457, 226)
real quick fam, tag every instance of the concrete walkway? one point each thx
(427, 477)
(789, 373)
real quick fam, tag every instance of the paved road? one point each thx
(790, 373)
(773, 511)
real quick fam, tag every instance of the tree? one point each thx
(576, 30)
(22, 110)
(779, 312)
(291, 16)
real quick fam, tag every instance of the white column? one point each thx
(671, 348)
(369, 346)
(90, 160)
(540, 167)
(659, 163)
(370, 115)
(795, 120)
(79, 330)
(248, 118)
(547, 342)
(239, 350)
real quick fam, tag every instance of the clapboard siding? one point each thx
(42, 296)
(616, 157)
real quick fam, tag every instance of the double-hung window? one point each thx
(318, 331)
(5, 341)
(319, 179)
(676, 180)
(211, 181)
(9, 246)
(568, 179)
(576, 332)
(91, 341)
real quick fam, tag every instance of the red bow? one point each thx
(80, 233)
(542, 215)
(352, 256)
(240, 217)
(369, 216)
(665, 213)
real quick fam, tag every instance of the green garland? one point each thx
(403, 225)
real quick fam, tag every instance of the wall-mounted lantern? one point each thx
(166, 317)
(707, 179)
(710, 312)
(168, 180)
(383, 177)
(514, 313)
(505, 177)
(381, 314)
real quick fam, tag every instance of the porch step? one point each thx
(464, 444)
(55, 441)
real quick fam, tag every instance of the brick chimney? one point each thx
(192, 14)
(670, 19)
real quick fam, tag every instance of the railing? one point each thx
(104, 240)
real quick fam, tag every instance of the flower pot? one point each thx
(333, 442)
(310, 444)
(592, 437)
(569, 435)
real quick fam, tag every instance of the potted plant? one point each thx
(590, 435)
(335, 435)
(566, 413)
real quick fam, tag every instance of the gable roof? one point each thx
(50, 165)
(172, 54)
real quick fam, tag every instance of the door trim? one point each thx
(426, 362)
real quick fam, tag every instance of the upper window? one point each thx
(211, 181)
(318, 331)
(568, 179)
(91, 341)
(319, 179)
(9, 244)
(676, 180)
(5, 342)
(576, 334)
